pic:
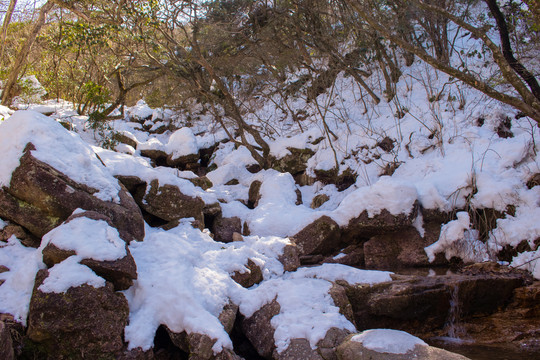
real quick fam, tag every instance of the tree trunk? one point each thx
(21, 59)
(7, 20)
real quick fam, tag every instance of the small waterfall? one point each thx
(455, 332)
(453, 327)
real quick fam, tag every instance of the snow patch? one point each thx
(388, 341)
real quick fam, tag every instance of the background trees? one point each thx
(231, 55)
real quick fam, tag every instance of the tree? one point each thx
(384, 19)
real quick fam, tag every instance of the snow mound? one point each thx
(69, 273)
(61, 149)
(388, 341)
(90, 239)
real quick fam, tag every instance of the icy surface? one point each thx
(388, 341)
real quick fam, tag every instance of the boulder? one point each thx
(202, 181)
(400, 249)
(363, 226)
(319, 200)
(320, 237)
(6, 344)
(121, 272)
(259, 331)
(422, 305)
(199, 346)
(39, 198)
(352, 255)
(289, 258)
(83, 322)
(254, 194)
(387, 347)
(20, 233)
(167, 202)
(252, 276)
(183, 162)
(295, 162)
(224, 228)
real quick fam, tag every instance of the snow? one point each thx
(63, 150)
(458, 239)
(69, 273)
(23, 264)
(393, 195)
(187, 264)
(90, 239)
(181, 143)
(334, 272)
(388, 341)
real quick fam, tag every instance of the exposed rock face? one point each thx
(83, 322)
(249, 278)
(352, 350)
(121, 272)
(224, 228)
(352, 255)
(40, 198)
(404, 248)
(25, 237)
(254, 194)
(295, 162)
(289, 258)
(167, 202)
(364, 227)
(184, 162)
(517, 323)
(319, 200)
(259, 330)
(320, 237)
(199, 346)
(6, 344)
(420, 305)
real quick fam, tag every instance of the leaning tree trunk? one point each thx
(21, 59)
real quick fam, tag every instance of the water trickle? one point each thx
(455, 331)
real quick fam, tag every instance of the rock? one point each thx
(295, 162)
(203, 182)
(167, 202)
(154, 154)
(319, 200)
(83, 322)
(320, 237)
(356, 350)
(252, 276)
(6, 344)
(516, 324)
(254, 194)
(298, 349)
(289, 258)
(224, 228)
(352, 255)
(421, 305)
(364, 227)
(400, 249)
(232, 182)
(183, 162)
(387, 144)
(342, 181)
(40, 198)
(199, 346)
(125, 138)
(20, 233)
(339, 296)
(131, 182)
(259, 331)
(533, 181)
(137, 354)
(121, 272)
